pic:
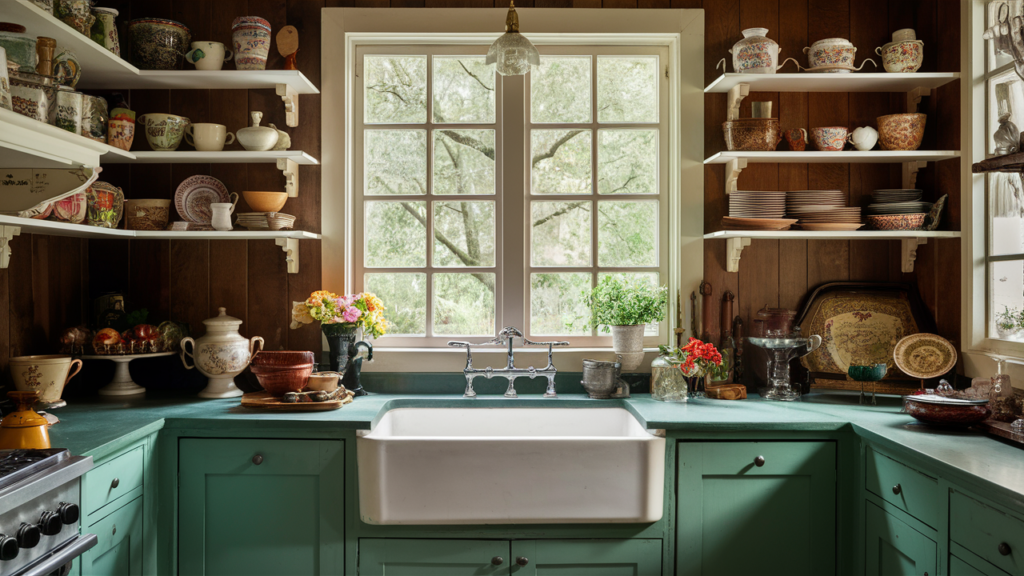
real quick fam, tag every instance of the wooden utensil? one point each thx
(288, 46)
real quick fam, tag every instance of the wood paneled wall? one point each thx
(52, 280)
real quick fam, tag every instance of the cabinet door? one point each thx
(894, 548)
(958, 567)
(254, 506)
(402, 557)
(118, 550)
(761, 508)
(591, 557)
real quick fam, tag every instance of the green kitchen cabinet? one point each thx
(894, 548)
(118, 550)
(258, 506)
(761, 508)
(637, 557)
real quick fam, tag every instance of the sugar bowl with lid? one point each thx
(220, 355)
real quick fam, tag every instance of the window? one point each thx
(453, 247)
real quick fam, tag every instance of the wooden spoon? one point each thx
(288, 45)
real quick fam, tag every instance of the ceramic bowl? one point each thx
(905, 56)
(830, 138)
(943, 412)
(901, 131)
(867, 373)
(44, 374)
(163, 131)
(280, 372)
(896, 221)
(752, 134)
(158, 44)
(323, 381)
(148, 214)
(831, 52)
(265, 201)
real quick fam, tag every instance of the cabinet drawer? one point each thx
(112, 480)
(118, 549)
(903, 487)
(987, 532)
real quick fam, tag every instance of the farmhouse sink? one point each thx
(510, 466)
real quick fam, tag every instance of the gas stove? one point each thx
(39, 511)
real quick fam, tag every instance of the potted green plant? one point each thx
(623, 306)
(1007, 322)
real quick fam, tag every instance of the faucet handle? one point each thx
(458, 344)
(507, 333)
(532, 343)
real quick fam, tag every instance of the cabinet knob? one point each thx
(257, 459)
(115, 483)
(897, 489)
(759, 461)
(113, 531)
(497, 560)
(1004, 549)
(522, 561)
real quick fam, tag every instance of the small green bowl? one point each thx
(869, 373)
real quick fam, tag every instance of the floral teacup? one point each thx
(830, 139)
(44, 374)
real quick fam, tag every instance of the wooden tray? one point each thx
(264, 401)
(1001, 430)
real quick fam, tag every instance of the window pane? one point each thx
(1006, 96)
(995, 60)
(561, 161)
(395, 162)
(627, 234)
(627, 88)
(651, 277)
(627, 161)
(463, 234)
(464, 304)
(396, 90)
(1006, 227)
(1007, 299)
(463, 90)
(560, 90)
(561, 233)
(556, 302)
(395, 234)
(405, 300)
(463, 162)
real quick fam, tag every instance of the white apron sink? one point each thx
(510, 466)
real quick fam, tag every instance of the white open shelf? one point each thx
(29, 143)
(845, 157)
(853, 82)
(225, 157)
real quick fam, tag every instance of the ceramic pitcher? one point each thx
(251, 38)
(221, 214)
(220, 355)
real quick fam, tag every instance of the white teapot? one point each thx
(220, 355)
(864, 138)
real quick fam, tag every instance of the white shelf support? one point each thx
(290, 247)
(732, 173)
(291, 104)
(909, 253)
(910, 170)
(914, 98)
(290, 169)
(736, 95)
(6, 234)
(733, 250)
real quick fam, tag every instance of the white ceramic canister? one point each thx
(755, 53)
(257, 138)
(5, 83)
(69, 110)
(104, 30)
(220, 355)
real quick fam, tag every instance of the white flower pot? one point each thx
(628, 342)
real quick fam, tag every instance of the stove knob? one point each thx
(28, 535)
(8, 548)
(68, 512)
(50, 524)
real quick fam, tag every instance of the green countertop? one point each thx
(99, 427)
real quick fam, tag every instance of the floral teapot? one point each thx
(756, 53)
(220, 355)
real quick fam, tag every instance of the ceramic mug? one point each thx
(830, 139)
(163, 131)
(121, 130)
(796, 138)
(207, 137)
(208, 55)
(46, 374)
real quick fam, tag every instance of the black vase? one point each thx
(343, 356)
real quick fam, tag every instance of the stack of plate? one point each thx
(802, 201)
(253, 220)
(900, 201)
(757, 204)
(757, 223)
(890, 195)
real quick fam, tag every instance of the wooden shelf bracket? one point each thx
(733, 250)
(736, 95)
(914, 98)
(909, 253)
(290, 169)
(910, 170)
(732, 173)
(290, 247)
(6, 234)
(291, 104)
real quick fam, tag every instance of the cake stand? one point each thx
(122, 384)
(780, 352)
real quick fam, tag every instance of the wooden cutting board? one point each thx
(264, 401)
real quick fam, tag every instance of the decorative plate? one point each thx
(66, 68)
(193, 197)
(924, 355)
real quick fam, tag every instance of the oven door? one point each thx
(56, 559)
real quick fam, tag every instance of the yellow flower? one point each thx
(300, 315)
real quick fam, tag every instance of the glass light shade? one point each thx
(512, 52)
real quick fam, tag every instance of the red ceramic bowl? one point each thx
(945, 414)
(283, 371)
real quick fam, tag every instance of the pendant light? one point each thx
(512, 52)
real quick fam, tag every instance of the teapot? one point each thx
(220, 355)
(24, 428)
(864, 138)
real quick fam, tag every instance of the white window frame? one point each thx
(681, 31)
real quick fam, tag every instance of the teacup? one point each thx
(208, 137)
(208, 55)
(796, 138)
(163, 131)
(830, 138)
(46, 374)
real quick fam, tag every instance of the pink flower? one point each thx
(351, 314)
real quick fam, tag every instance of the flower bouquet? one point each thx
(698, 361)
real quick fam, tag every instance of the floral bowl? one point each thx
(901, 131)
(896, 221)
(831, 52)
(752, 134)
(905, 56)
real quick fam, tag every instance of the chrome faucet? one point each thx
(507, 337)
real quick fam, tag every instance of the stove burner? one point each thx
(15, 465)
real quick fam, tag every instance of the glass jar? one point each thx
(667, 381)
(1001, 399)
